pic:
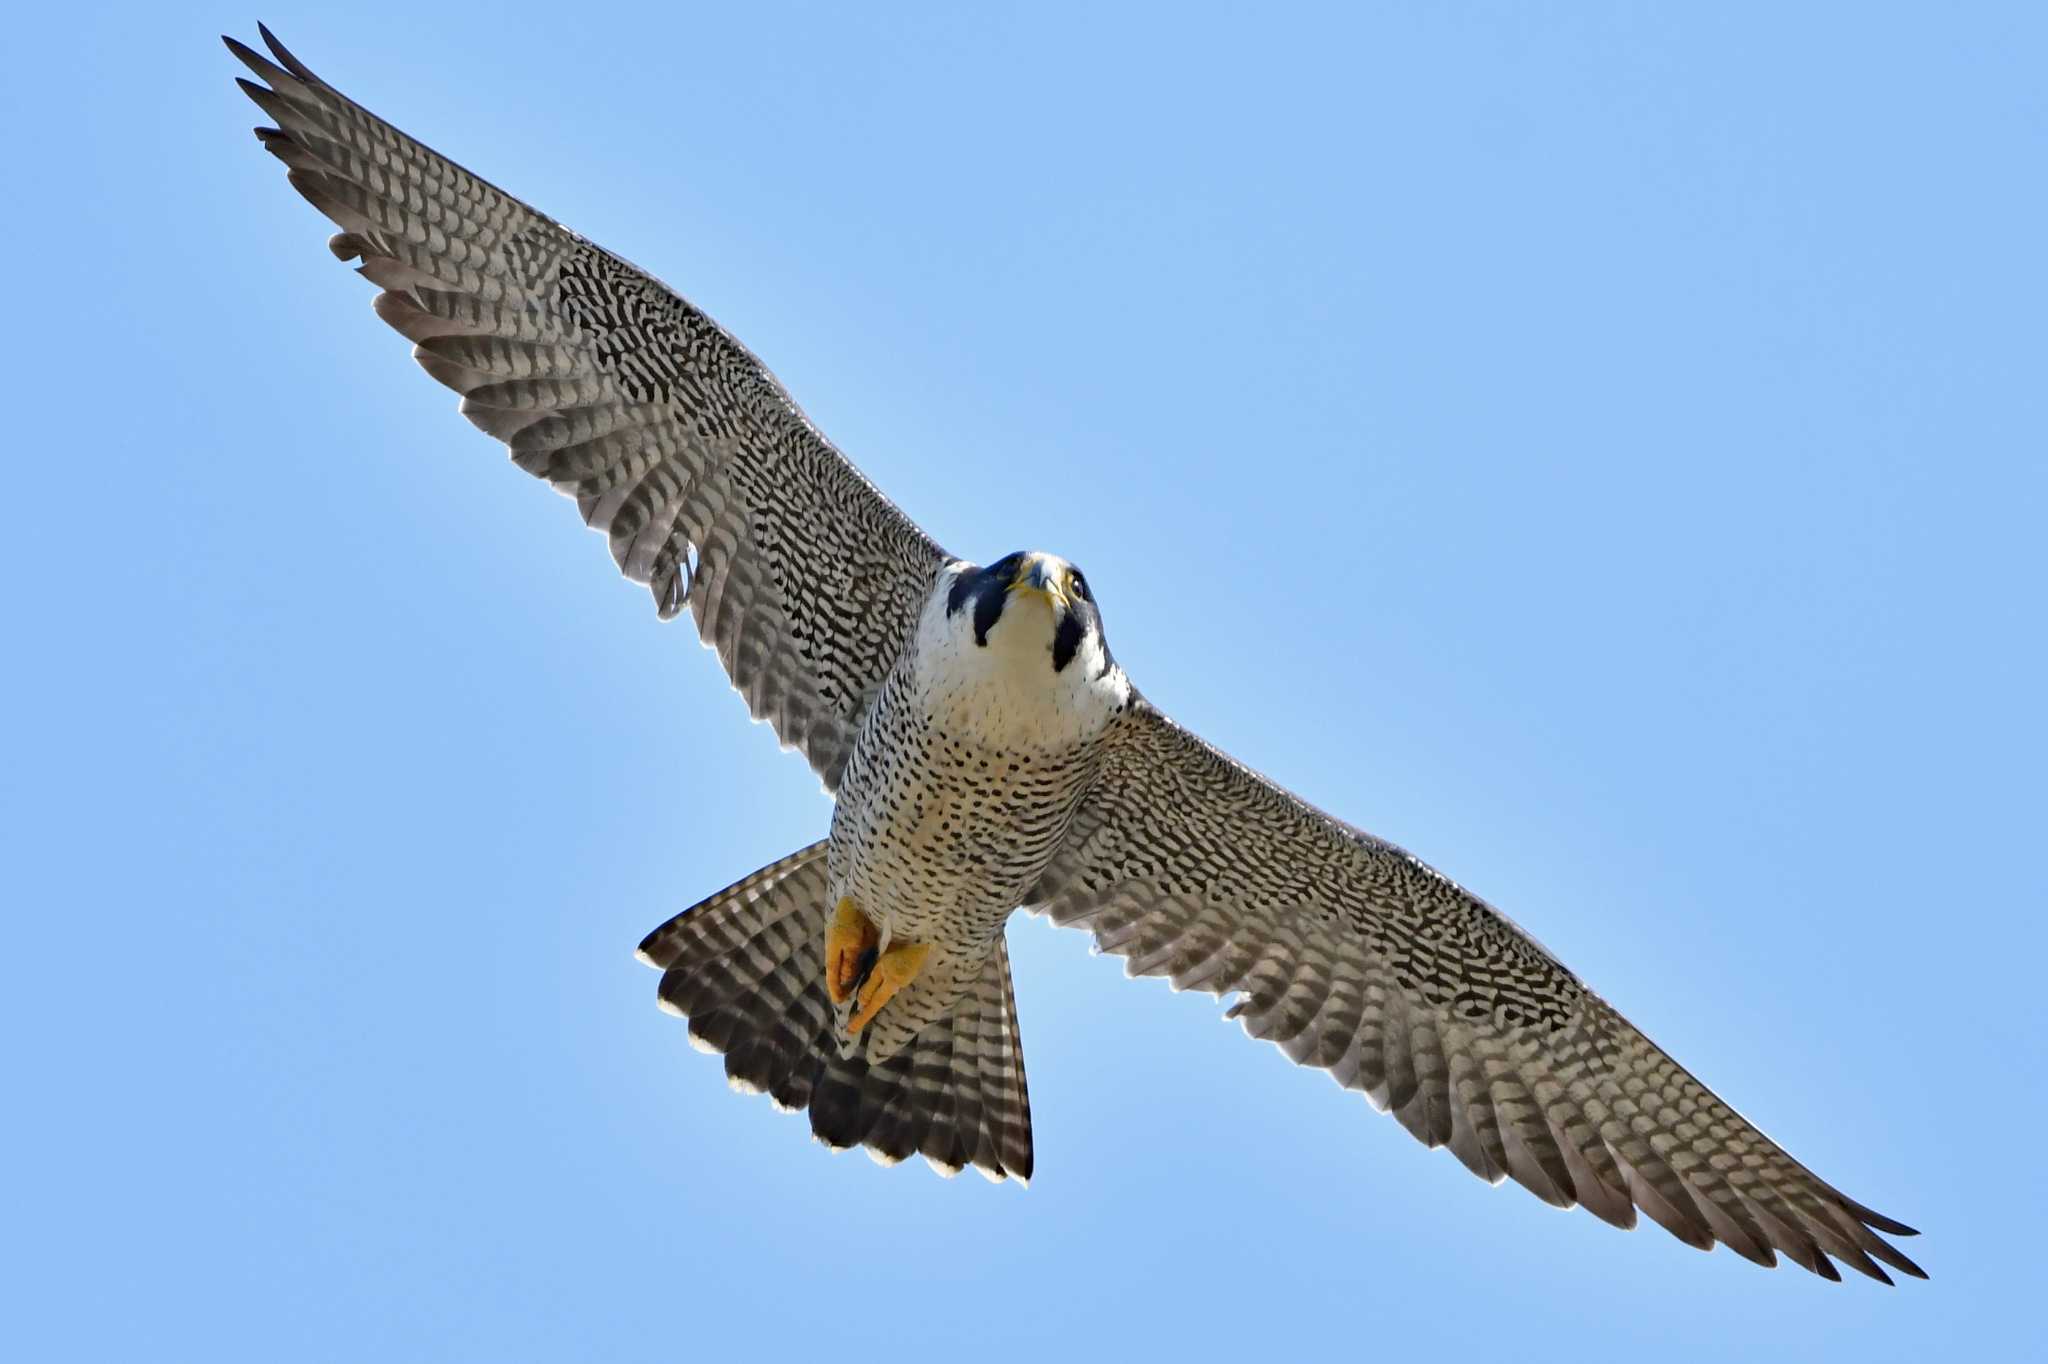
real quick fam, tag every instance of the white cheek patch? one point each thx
(1005, 691)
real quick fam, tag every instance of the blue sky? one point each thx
(1599, 447)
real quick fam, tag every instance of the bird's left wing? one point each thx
(1351, 955)
(676, 443)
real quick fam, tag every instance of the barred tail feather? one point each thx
(747, 968)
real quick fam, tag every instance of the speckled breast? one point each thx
(939, 834)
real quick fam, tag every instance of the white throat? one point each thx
(1005, 693)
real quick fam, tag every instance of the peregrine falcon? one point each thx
(986, 753)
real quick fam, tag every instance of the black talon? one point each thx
(862, 969)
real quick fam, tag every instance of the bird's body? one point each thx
(965, 771)
(986, 753)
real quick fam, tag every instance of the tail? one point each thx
(747, 968)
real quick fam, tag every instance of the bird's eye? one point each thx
(1079, 585)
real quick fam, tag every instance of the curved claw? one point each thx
(893, 970)
(850, 944)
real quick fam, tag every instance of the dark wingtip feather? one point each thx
(257, 62)
(283, 54)
(269, 101)
(1865, 1266)
(1882, 1223)
(1890, 1255)
(243, 52)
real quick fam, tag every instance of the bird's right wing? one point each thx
(680, 446)
(1351, 955)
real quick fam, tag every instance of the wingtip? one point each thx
(284, 55)
(259, 64)
(1877, 1221)
(1891, 1256)
(246, 55)
(279, 64)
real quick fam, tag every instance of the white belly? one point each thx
(940, 831)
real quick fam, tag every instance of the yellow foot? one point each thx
(893, 970)
(851, 937)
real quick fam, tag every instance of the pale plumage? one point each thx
(987, 754)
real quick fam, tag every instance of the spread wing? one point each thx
(711, 485)
(1352, 955)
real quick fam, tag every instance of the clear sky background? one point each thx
(1597, 446)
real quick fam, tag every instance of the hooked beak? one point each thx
(1037, 575)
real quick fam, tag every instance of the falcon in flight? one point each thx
(986, 753)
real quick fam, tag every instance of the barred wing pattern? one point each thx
(711, 485)
(1351, 955)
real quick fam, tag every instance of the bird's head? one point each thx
(1015, 653)
(1033, 608)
